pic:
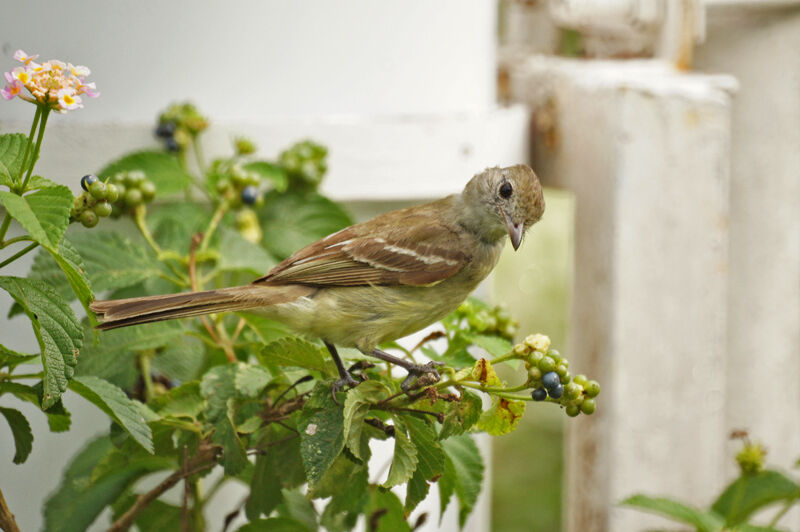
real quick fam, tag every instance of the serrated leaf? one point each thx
(266, 329)
(12, 151)
(356, 407)
(404, 460)
(56, 328)
(234, 456)
(322, 435)
(36, 182)
(250, 380)
(236, 253)
(11, 359)
(484, 373)
(58, 418)
(494, 345)
(293, 351)
(749, 493)
(162, 169)
(703, 521)
(431, 460)
(502, 418)
(52, 266)
(113, 401)
(182, 401)
(175, 224)
(113, 356)
(292, 220)
(21, 431)
(461, 415)
(270, 172)
(464, 462)
(181, 359)
(265, 489)
(112, 261)
(218, 385)
(44, 214)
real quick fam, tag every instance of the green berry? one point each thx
(112, 192)
(561, 369)
(555, 355)
(566, 378)
(572, 391)
(89, 218)
(103, 209)
(148, 190)
(133, 197)
(573, 410)
(534, 373)
(592, 388)
(98, 190)
(588, 406)
(581, 379)
(537, 357)
(547, 364)
(136, 177)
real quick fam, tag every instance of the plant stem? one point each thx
(4, 227)
(144, 366)
(198, 154)
(786, 507)
(35, 157)
(21, 376)
(30, 142)
(139, 219)
(21, 238)
(222, 208)
(18, 254)
(7, 521)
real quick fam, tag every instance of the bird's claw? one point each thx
(421, 375)
(345, 380)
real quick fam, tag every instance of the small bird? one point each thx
(375, 281)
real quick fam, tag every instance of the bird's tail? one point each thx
(136, 310)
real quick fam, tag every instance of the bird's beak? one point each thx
(514, 232)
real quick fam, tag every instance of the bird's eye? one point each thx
(506, 189)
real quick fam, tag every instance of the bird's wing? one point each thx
(417, 251)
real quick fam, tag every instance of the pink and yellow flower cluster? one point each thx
(55, 84)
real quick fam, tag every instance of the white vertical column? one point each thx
(645, 149)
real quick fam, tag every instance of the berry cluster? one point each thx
(487, 320)
(95, 201)
(178, 124)
(548, 374)
(305, 163)
(240, 186)
(134, 190)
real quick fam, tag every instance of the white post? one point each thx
(645, 149)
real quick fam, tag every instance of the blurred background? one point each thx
(667, 263)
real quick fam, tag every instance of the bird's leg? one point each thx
(345, 379)
(414, 370)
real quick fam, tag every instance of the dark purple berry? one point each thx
(165, 129)
(249, 195)
(556, 392)
(87, 180)
(539, 394)
(550, 380)
(172, 144)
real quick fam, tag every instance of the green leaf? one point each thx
(274, 524)
(218, 385)
(343, 472)
(113, 356)
(404, 461)
(12, 150)
(703, 521)
(431, 460)
(356, 407)
(113, 401)
(43, 214)
(236, 253)
(234, 456)
(293, 220)
(321, 433)
(269, 172)
(749, 493)
(36, 182)
(158, 515)
(183, 401)
(113, 261)
(465, 465)
(494, 345)
(82, 494)
(11, 359)
(182, 358)
(266, 329)
(56, 328)
(384, 512)
(502, 418)
(52, 266)
(162, 169)
(21, 430)
(265, 489)
(250, 380)
(461, 415)
(175, 224)
(293, 351)
(58, 418)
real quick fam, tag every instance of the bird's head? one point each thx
(501, 201)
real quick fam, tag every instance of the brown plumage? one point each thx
(374, 281)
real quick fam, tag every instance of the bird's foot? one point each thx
(345, 380)
(420, 375)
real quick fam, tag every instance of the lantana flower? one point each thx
(54, 84)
